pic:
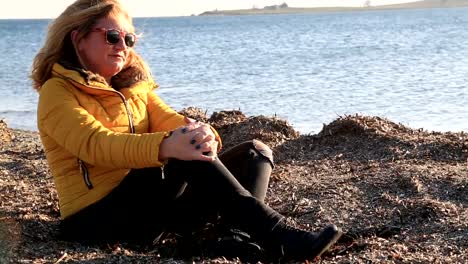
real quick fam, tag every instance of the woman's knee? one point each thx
(264, 151)
(252, 149)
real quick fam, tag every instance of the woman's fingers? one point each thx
(201, 137)
(198, 126)
(189, 120)
(203, 147)
(214, 148)
(194, 141)
(206, 151)
(192, 126)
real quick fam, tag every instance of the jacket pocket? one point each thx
(84, 171)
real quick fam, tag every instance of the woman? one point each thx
(128, 167)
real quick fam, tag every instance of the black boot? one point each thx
(234, 243)
(288, 243)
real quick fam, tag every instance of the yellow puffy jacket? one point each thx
(93, 134)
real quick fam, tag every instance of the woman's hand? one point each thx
(195, 141)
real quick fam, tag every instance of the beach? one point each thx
(399, 194)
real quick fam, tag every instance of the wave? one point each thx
(16, 112)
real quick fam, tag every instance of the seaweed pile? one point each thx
(400, 194)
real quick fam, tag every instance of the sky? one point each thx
(160, 8)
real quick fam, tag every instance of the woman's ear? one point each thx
(73, 36)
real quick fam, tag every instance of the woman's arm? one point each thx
(62, 118)
(161, 116)
(164, 118)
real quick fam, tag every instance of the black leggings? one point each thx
(148, 202)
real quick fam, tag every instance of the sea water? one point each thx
(410, 66)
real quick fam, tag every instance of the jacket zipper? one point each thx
(83, 169)
(129, 114)
(127, 108)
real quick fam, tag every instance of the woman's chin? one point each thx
(114, 69)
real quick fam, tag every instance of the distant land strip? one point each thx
(367, 6)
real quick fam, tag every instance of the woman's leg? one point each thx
(215, 188)
(251, 163)
(144, 204)
(212, 188)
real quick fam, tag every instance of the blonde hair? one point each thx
(82, 15)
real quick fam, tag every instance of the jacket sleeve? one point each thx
(62, 118)
(164, 118)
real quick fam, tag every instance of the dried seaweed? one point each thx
(400, 194)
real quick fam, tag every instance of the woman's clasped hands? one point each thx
(194, 141)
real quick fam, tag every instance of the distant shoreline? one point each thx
(425, 4)
(298, 10)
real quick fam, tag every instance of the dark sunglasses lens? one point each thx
(113, 36)
(130, 40)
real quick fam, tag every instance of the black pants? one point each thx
(147, 202)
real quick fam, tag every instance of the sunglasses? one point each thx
(113, 36)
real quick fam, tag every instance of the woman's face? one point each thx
(98, 55)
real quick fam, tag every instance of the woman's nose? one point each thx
(121, 44)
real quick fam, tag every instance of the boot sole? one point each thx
(326, 239)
